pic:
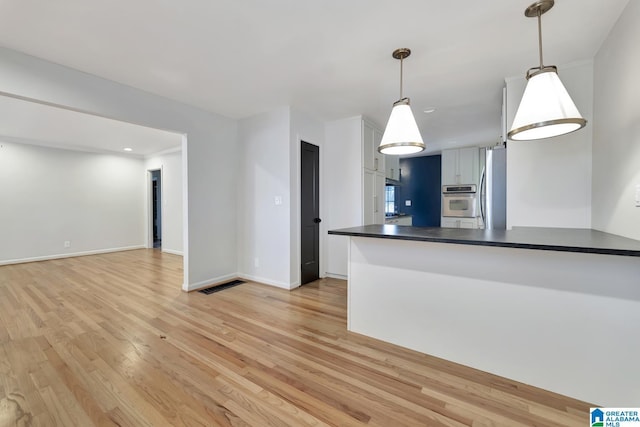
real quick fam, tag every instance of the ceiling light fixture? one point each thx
(128, 149)
(546, 109)
(401, 136)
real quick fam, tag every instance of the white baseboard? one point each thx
(174, 252)
(70, 255)
(336, 276)
(295, 285)
(269, 282)
(188, 287)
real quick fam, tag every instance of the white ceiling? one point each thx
(330, 58)
(33, 123)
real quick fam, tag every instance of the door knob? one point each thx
(317, 220)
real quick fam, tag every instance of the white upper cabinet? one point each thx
(460, 166)
(392, 167)
(372, 159)
(378, 157)
(367, 147)
(373, 174)
(468, 165)
(450, 167)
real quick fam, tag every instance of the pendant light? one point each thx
(546, 109)
(401, 136)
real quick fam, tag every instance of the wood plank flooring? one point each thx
(110, 340)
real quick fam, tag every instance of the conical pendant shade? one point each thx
(401, 136)
(546, 109)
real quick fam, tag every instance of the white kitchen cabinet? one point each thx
(392, 167)
(368, 197)
(468, 223)
(460, 166)
(448, 222)
(367, 147)
(373, 176)
(449, 167)
(405, 220)
(400, 220)
(468, 165)
(350, 198)
(378, 216)
(373, 184)
(372, 159)
(378, 157)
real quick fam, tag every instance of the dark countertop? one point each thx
(548, 239)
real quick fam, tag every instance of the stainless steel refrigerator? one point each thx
(493, 187)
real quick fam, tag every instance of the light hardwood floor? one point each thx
(110, 340)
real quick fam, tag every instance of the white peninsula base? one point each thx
(565, 322)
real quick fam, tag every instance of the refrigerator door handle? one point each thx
(483, 194)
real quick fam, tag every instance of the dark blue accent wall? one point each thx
(421, 183)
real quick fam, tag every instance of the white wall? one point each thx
(210, 156)
(616, 129)
(269, 167)
(49, 196)
(170, 163)
(343, 188)
(549, 181)
(264, 242)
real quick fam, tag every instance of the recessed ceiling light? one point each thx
(429, 110)
(128, 149)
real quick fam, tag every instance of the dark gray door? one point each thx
(310, 212)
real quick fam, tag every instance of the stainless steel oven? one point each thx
(460, 201)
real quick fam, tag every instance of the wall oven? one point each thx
(460, 201)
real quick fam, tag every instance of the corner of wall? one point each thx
(616, 129)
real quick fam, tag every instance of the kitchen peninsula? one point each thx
(555, 308)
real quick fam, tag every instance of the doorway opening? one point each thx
(155, 218)
(153, 142)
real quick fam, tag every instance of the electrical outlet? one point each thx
(67, 243)
(407, 202)
(278, 200)
(256, 262)
(638, 196)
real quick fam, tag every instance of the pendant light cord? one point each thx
(540, 36)
(401, 61)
